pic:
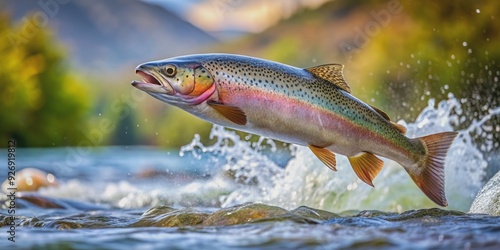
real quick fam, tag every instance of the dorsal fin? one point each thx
(332, 73)
(399, 127)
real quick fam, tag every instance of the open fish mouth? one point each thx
(147, 78)
(151, 84)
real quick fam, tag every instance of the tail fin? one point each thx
(430, 174)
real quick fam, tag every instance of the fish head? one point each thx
(177, 82)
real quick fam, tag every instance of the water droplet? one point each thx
(51, 178)
(99, 114)
(464, 44)
(478, 11)
(441, 237)
(29, 181)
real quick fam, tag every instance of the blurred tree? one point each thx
(435, 48)
(43, 102)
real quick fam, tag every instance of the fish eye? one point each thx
(170, 70)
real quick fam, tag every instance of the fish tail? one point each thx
(429, 175)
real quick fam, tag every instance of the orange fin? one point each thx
(326, 156)
(366, 166)
(429, 176)
(399, 127)
(232, 113)
(382, 113)
(332, 73)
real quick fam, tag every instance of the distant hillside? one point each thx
(310, 36)
(114, 34)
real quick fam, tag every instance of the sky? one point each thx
(235, 15)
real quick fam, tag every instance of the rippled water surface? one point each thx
(235, 193)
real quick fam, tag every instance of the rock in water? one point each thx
(245, 213)
(488, 199)
(30, 179)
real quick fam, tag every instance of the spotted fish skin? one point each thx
(311, 107)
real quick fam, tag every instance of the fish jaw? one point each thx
(191, 85)
(152, 81)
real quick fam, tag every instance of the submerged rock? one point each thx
(164, 216)
(314, 214)
(487, 200)
(249, 212)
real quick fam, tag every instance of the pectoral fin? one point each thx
(232, 113)
(366, 166)
(326, 156)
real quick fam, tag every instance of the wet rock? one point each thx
(63, 225)
(41, 201)
(35, 200)
(31, 179)
(487, 200)
(164, 216)
(245, 213)
(314, 214)
(156, 211)
(421, 213)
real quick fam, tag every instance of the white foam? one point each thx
(306, 181)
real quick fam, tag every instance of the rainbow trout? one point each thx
(311, 107)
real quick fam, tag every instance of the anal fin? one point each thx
(326, 156)
(232, 113)
(366, 166)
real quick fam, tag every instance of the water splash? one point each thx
(232, 171)
(306, 181)
(243, 161)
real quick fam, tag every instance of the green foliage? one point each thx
(43, 104)
(423, 50)
(432, 49)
